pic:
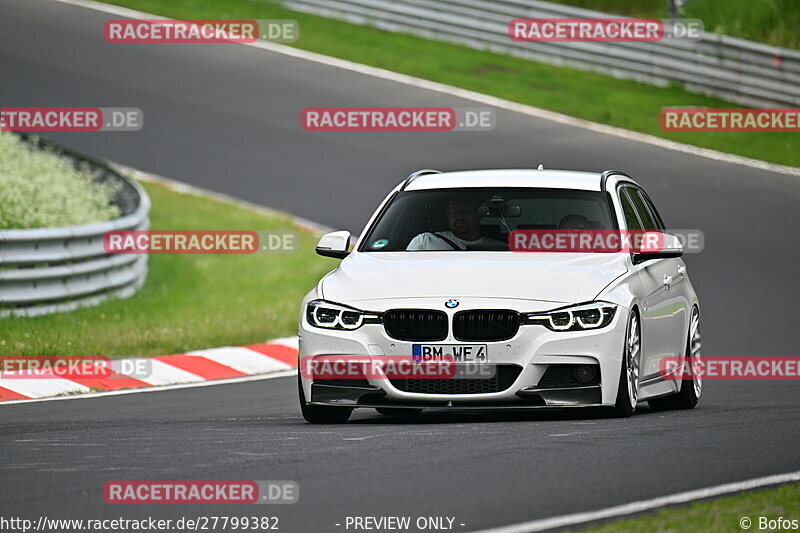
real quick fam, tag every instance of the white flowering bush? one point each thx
(40, 189)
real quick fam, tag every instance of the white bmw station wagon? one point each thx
(435, 276)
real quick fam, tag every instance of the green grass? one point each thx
(774, 22)
(189, 302)
(770, 21)
(590, 96)
(721, 515)
(40, 189)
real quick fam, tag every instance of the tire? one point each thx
(398, 411)
(321, 414)
(691, 389)
(628, 390)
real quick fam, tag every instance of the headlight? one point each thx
(594, 315)
(329, 315)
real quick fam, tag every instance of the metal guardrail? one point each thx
(50, 270)
(735, 69)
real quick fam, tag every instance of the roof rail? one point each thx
(414, 175)
(607, 174)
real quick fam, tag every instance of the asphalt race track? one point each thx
(485, 471)
(226, 117)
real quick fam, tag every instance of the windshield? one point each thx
(480, 219)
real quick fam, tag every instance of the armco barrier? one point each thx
(735, 69)
(59, 269)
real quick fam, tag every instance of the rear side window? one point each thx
(644, 214)
(653, 211)
(631, 221)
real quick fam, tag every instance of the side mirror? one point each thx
(335, 244)
(657, 245)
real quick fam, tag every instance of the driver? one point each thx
(465, 230)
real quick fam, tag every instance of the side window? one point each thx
(631, 221)
(644, 213)
(653, 211)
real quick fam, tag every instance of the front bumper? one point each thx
(534, 349)
(530, 397)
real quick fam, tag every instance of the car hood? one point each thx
(553, 277)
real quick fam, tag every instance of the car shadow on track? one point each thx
(432, 416)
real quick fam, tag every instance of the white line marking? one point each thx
(120, 392)
(291, 342)
(161, 373)
(41, 387)
(474, 96)
(644, 505)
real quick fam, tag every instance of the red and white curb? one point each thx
(225, 363)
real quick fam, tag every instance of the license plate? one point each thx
(461, 353)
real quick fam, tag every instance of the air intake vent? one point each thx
(503, 377)
(563, 377)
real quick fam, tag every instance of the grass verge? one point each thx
(189, 302)
(625, 104)
(715, 516)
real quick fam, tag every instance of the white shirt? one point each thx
(430, 241)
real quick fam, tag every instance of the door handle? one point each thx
(667, 281)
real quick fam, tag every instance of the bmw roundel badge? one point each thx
(451, 303)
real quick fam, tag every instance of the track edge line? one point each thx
(627, 509)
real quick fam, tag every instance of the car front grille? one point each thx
(415, 325)
(485, 325)
(503, 377)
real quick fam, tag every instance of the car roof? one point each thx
(549, 179)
